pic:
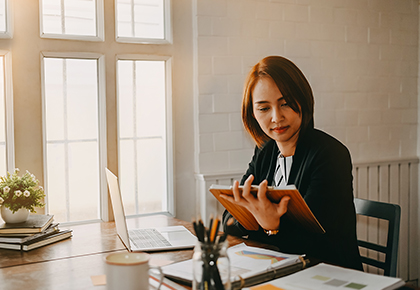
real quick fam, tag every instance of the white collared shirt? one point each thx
(282, 172)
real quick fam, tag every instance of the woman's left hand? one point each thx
(265, 212)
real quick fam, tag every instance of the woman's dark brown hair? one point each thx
(292, 84)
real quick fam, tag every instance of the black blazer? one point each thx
(322, 172)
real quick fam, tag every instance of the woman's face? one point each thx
(274, 116)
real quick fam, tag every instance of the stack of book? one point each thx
(37, 231)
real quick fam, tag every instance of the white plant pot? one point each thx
(20, 216)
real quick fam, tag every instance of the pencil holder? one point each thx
(211, 266)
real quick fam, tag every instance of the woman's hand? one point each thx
(265, 212)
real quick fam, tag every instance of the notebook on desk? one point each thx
(145, 239)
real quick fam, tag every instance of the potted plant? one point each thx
(19, 195)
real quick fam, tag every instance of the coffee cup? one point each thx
(129, 271)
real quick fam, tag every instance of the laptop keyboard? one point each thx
(148, 238)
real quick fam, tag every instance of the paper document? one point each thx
(324, 276)
(166, 284)
(245, 262)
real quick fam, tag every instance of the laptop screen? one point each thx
(117, 205)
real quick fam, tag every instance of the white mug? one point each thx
(129, 271)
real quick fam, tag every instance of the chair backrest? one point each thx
(386, 211)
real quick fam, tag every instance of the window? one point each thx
(144, 146)
(6, 116)
(88, 105)
(72, 19)
(76, 87)
(143, 21)
(5, 19)
(72, 153)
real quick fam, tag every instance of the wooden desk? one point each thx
(88, 239)
(69, 264)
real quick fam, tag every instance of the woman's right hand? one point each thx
(265, 212)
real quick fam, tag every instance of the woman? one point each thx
(277, 111)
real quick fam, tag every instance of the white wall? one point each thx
(360, 56)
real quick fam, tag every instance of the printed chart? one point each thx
(324, 276)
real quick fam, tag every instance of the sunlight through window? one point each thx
(71, 132)
(142, 135)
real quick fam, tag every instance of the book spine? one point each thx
(40, 236)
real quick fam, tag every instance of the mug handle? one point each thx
(160, 272)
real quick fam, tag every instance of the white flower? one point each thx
(6, 189)
(17, 170)
(40, 187)
(1, 201)
(26, 193)
(18, 193)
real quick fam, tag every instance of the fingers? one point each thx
(262, 190)
(230, 221)
(236, 193)
(228, 198)
(282, 207)
(246, 190)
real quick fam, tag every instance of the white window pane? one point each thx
(142, 135)
(141, 19)
(2, 103)
(83, 181)
(56, 182)
(3, 16)
(71, 116)
(151, 178)
(127, 176)
(69, 17)
(3, 159)
(143, 180)
(125, 95)
(124, 19)
(52, 16)
(82, 102)
(54, 93)
(150, 96)
(80, 17)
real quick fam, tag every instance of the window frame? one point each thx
(169, 142)
(8, 106)
(8, 34)
(100, 23)
(29, 98)
(167, 8)
(102, 128)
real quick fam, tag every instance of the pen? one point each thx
(210, 227)
(210, 247)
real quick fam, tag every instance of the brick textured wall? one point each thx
(360, 56)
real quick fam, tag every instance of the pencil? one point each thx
(214, 229)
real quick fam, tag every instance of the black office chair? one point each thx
(386, 211)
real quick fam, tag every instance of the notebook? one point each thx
(145, 239)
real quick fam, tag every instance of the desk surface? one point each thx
(88, 239)
(69, 264)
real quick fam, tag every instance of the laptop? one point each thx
(147, 239)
